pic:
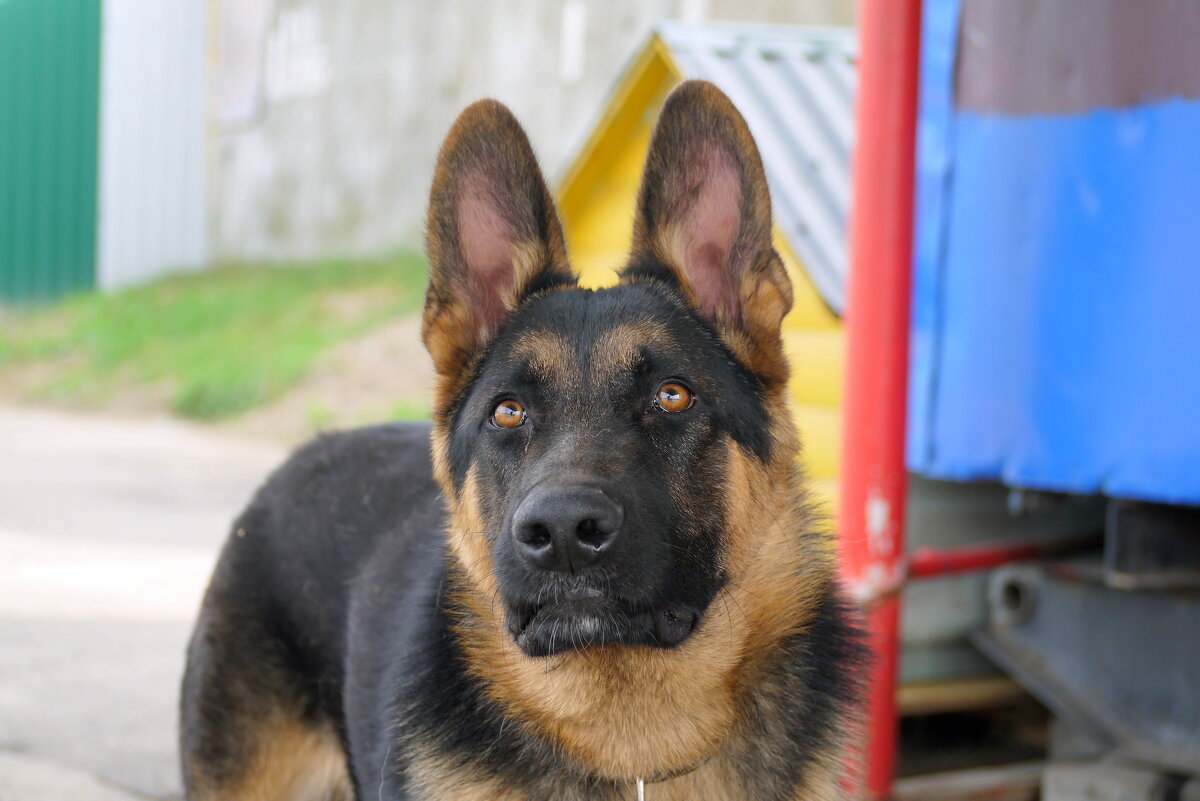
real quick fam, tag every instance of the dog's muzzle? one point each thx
(570, 536)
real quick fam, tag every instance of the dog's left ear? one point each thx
(493, 237)
(703, 223)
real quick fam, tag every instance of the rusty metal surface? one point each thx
(1032, 57)
(1152, 546)
(1119, 666)
(1017, 782)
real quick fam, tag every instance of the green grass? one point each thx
(220, 341)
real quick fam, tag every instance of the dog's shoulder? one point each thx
(357, 479)
(322, 513)
(334, 462)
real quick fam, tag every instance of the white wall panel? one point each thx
(152, 195)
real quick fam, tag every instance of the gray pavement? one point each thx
(108, 531)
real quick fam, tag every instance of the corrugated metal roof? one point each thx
(796, 89)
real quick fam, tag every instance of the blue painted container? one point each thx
(1056, 317)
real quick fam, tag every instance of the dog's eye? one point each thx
(673, 397)
(508, 414)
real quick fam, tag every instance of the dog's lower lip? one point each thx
(520, 618)
(674, 624)
(518, 621)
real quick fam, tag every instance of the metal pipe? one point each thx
(877, 322)
(927, 562)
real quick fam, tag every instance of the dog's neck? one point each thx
(630, 712)
(754, 750)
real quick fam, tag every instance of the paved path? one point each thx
(108, 531)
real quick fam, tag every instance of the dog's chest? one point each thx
(711, 782)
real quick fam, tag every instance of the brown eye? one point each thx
(508, 414)
(673, 397)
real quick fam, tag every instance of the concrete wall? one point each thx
(327, 114)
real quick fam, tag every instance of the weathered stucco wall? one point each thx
(327, 114)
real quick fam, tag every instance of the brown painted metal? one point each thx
(1068, 56)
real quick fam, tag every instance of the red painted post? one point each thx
(871, 515)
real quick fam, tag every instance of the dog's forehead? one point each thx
(603, 332)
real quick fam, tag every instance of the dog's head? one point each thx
(595, 446)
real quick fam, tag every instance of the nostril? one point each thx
(536, 535)
(589, 533)
(565, 528)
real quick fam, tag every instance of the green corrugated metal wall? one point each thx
(49, 110)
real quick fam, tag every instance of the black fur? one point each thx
(333, 590)
(351, 602)
(332, 594)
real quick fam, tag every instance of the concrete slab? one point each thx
(23, 778)
(109, 529)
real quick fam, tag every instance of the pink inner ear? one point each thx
(486, 242)
(709, 229)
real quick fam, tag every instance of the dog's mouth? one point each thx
(585, 618)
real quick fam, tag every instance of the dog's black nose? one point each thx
(566, 528)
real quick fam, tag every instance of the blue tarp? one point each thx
(1056, 317)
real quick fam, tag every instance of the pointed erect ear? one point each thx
(703, 222)
(492, 237)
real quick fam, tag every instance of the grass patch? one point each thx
(409, 410)
(220, 341)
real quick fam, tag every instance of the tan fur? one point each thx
(290, 761)
(715, 780)
(718, 780)
(619, 347)
(824, 779)
(436, 780)
(548, 355)
(469, 539)
(629, 712)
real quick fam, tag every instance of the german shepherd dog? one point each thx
(602, 579)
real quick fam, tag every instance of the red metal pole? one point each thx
(928, 562)
(871, 517)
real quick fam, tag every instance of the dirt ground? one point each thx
(382, 375)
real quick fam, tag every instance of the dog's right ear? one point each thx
(493, 238)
